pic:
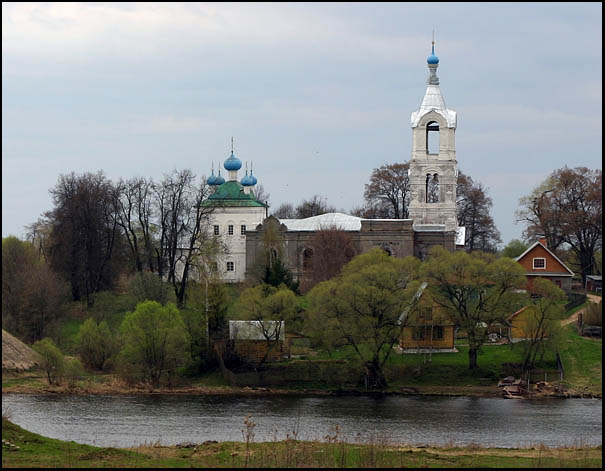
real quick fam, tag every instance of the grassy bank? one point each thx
(25, 449)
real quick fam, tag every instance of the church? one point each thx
(241, 220)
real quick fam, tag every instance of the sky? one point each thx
(316, 95)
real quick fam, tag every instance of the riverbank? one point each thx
(29, 383)
(22, 448)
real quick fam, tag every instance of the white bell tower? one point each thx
(433, 171)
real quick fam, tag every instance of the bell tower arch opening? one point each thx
(432, 138)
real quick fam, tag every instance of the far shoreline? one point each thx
(434, 391)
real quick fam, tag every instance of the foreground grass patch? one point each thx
(26, 449)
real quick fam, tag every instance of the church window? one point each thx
(540, 263)
(243, 229)
(307, 259)
(432, 188)
(230, 229)
(230, 266)
(432, 138)
(215, 230)
(214, 267)
(419, 333)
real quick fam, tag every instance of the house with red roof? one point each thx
(539, 261)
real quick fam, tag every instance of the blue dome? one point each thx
(219, 180)
(247, 181)
(432, 59)
(253, 179)
(233, 163)
(211, 180)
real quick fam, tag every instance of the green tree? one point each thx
(269, 307)
(154, 340)
(543, 322)
(53, 361)
(147, 286)
(514, 248)
(205, 319)
(477, 289)
(362, 308)
(95, 344)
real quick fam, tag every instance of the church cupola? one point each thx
(232, 164)
(212, 178)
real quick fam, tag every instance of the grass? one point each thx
(582, 361)
(22, 448)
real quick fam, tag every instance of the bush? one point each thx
(155, 342)
(95, 344)
(73, 371)
(53, 362)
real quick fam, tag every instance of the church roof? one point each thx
(232, 193)
(344, 222)
(433, 101)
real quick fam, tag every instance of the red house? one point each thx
(539, 261)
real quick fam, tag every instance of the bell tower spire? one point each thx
(433, 166)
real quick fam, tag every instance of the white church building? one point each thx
(238, 217)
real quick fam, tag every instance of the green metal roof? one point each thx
(231, 193)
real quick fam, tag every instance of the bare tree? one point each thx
(261, 194)
(313, 207)
(85, 233)
(388, 192)
(285, 211)
(473, 211)
(329, 250)
(183, 226)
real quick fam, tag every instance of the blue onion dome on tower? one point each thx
(212, 178)
(252, 178)
(246, 181)
(432, 59)
(218, 179)
(232, 163)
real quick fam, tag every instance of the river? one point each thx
(124, 421)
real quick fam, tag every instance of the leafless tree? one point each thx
(473, 211)
(388, 193)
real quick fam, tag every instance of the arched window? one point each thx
(432, 188)
(387, 250)
(307, 259)
(432, 138)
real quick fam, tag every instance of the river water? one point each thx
(123, 421)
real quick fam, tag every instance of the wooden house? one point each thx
(539, 261)
(521, 323)
(428, 326)
(594, 283)
(252, 340)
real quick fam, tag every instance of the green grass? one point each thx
(22, 448)
(582, 361)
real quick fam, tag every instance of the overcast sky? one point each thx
(316, 95)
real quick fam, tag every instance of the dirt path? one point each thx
(574, 316)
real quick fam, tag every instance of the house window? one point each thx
(539, 263)
(230, 266)
(215, 230)
(230, 230)
(214, 267)
(426, 313)
(419, 333)
(243, 229)
(438, 332)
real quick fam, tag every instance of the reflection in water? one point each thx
(122, 421)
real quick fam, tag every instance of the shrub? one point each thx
(155, 341)
(95, 344)
(53, 362)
